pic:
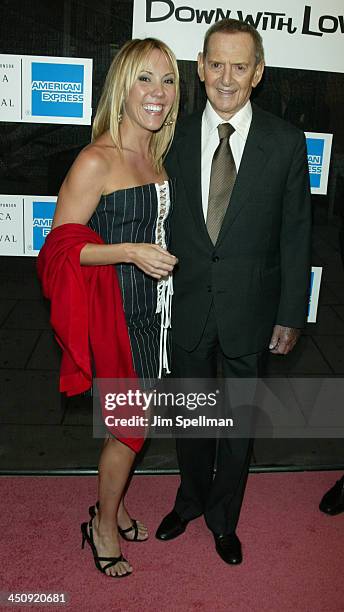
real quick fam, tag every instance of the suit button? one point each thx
(215, 258)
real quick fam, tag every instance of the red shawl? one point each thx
(86, 313)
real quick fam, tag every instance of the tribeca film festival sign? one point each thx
(37, 89)
(296, 34)
(25, 222)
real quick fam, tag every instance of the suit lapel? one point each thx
(189, 156)
(258, 148)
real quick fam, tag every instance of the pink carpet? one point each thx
(293, 554)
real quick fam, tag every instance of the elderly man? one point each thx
(241, 231)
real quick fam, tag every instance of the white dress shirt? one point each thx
(241, 121)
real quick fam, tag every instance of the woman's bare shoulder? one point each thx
(96, 157)
(84, 184)
(93, 164)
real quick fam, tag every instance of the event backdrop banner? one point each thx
(38, 89)
(25, 222)
(296, 34)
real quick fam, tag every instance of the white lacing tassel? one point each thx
(165, 310)
(165, 286)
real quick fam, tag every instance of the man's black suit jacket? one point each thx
(258, 272)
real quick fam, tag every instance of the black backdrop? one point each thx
(35, 157)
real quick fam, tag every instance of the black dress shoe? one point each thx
(171, 526)
(333, 501)
(228, 546)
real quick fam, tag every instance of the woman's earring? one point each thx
(170, 121)
(120, 117)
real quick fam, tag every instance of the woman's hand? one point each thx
(151, 259)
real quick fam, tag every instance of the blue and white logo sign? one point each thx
(314, 291)
(319, 154)
(315, 154)
(38, 218)
(57, 90)
(42, 218)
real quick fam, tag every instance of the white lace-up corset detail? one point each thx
(165, 286)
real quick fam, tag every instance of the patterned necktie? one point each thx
(222, 179)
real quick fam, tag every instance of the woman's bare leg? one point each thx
(114, 468)
(123, 517)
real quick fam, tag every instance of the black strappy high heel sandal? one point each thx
(88, 537)
(122, 532)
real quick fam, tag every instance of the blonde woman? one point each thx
(119, 188)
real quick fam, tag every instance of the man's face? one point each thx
(229, 71)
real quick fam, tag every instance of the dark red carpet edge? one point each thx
(293, 554)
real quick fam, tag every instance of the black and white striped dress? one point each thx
(141, 214)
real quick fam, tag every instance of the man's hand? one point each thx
(283, 339)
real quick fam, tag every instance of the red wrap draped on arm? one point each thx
(86, 313)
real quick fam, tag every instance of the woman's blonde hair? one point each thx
(124, 69)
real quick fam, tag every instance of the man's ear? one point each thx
(200, 66)
(258, 73)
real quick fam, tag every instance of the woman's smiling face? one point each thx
(152, 95)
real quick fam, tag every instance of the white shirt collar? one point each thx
(241, 121)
